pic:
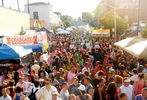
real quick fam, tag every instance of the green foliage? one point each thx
(54, 29)
(108, 21)
(66, 23)
(144, 32)
(22, 31)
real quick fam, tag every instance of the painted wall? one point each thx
(43, 13)
(11, 21)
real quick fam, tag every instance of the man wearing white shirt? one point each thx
(5, 95)
(86, 68)
(46, 91)
(135, 76)
(127, 88)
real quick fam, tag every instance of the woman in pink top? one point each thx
(71, 75)
(139, 84)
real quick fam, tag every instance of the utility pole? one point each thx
(18, 5)
(28, 7)
(2, 3)
(138, 17)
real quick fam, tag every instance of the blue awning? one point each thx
(36, 48)
(13, 52)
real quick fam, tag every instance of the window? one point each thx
(35, 15)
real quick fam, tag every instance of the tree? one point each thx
(144, 32)
(66, 23)
(108, 22)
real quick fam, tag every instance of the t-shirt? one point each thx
(85, 69)
(6, 98)
(70, 77)
(128, 90)
(144, 70)
(134, 77)
(139, 97)
(64, 95)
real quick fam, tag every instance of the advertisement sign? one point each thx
(101, 33)
(22, 40)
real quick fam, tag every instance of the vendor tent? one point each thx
(138, 50)
(13, 52)
(129, 41)
(44, 29)
(36, 48)
(62, 32)
(123, 43)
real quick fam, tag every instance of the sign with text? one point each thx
(101, 33)
(22, 40)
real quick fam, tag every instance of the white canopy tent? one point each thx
(138, 50)
(62, 32)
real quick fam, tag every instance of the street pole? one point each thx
(18, 5)
(28, 7)
(138, 17)
(2, 3)
(115, 23)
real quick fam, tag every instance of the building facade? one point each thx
(43, 12)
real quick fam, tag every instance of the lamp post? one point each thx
(28, 7)
(138, 23)
(2, 3)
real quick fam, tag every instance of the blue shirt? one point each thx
(139, 97)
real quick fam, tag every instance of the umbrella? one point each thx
(138, 50)
(13, 52)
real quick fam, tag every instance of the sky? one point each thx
(72, 8)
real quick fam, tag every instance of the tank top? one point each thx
(18, 97)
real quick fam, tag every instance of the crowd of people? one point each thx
(77, 70)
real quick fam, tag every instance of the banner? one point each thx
(101, 33)
(22, 40)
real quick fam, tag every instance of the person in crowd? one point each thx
(54, 96)
(138, 86)
(6, 82)
(86, 68)
(135, 75)
(46, 91)
(41, 75)
(56, 63)
(72, 97)
(35, 67)
(71, 75)
(88, 86)
(64, 94)
(80, 92)
(99, 93)
(112, 93)
(127, 88)
(119, 82)
(11, 88)
(145, 69)
(19, 94)
(21, 73)
(73, 87)
(5, 95)
(21, 83)
(87, 97)
(143, 95)
(123, 96)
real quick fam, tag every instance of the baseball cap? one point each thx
(81, 87)
(127, 80)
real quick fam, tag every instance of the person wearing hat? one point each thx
(127, 88)
(143, 95)
(81, 90)
(46, 91)
(35, 67)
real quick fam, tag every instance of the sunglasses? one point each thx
(47, 83)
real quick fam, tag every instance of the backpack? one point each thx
(32, 96)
